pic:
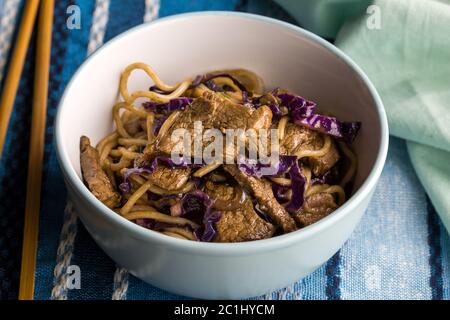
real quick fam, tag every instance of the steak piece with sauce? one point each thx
(298, 138)
(316, 207)
(261, 189)
(239, 220)
(213, 111)
(168, 178)
(95, 178)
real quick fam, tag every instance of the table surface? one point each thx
(399, 250)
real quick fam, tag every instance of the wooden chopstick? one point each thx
(36, 154)
(15, 69)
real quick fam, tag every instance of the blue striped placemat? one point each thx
(399, 250)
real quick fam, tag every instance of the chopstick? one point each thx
(15, 70)
(36, 154)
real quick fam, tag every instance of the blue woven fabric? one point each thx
(399, 250)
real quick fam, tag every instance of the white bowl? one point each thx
(186, 45)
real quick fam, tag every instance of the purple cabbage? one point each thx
(146, 223)
(174, 104)
(199, 203)
(157, 124)
(297, 105)
(280, 193)
(330, 177)
(197, 80)
(298, 186)
(125, 186)
(330, 126)
(246, 100)
(209, 221)
(276, 111)
(213, 86)
(254, 168)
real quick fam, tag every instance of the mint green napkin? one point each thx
(408, 60)
(324, 17)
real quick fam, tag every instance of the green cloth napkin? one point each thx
(408, 60)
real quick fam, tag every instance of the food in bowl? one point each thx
(187, 195)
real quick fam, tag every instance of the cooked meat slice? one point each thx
(262, 191)
(298, 138)
(225, 197)
(239, 221)
(215, 112)
(168, 178)
(94, 176)
(261, 118)
(242, 224)
(326, 162)
(317, 206)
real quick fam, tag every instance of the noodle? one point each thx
(281, 181)
(181, 232)
(316, 153)
(149, 126)
(174, 235)
(118, 119)
(324, 188)
(167, 124)
(144, 67)
(132, 142)
(134, 197)
(206, 169)
(158, 216)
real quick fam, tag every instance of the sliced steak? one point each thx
(298, 138)
(261, 189)
(317, 206)
(239, 221)
(168, 178)
(215, 112)
(95, 178)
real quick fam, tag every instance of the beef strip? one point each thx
(94, 176)
(317, 206)
(299, 138)
(168, 178)
(214, 112)
(261, 189)
(239, 221)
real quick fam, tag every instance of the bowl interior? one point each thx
(193, 44)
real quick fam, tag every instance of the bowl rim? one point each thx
(240, 248)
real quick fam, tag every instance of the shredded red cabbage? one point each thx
(298, 186)
(280, 193)
(175, 104)
(199, 203)
(330, 177)
(254, 168)
(297, 105)
(331, 126)
(157, 124)
(125, 186)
